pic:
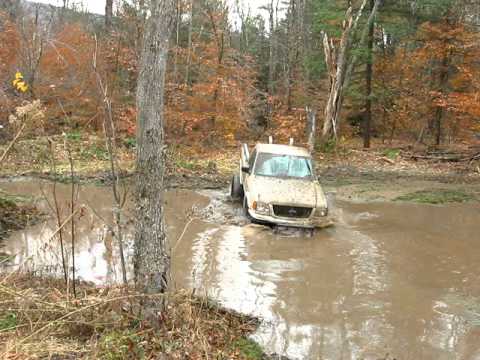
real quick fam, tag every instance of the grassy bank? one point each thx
(39, 319)
(437, 197)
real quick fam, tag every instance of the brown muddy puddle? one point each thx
(389, 278)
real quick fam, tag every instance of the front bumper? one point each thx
(308, 223)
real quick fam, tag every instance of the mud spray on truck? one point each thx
(278, 186)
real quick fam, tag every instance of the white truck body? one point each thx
(280, 187)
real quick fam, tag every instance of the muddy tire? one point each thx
(236, 189)
(245, 209)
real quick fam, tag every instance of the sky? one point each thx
(98, 6)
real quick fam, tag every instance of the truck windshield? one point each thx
(275, 165)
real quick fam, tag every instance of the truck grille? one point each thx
(292, 211)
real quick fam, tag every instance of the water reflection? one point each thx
(389, 278)
(202, 253)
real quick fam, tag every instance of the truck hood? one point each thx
(287, 191)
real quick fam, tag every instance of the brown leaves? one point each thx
(440, 73)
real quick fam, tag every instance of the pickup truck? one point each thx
(277, 185)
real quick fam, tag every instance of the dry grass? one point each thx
(40, 320)
(32, 157)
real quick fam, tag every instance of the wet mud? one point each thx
(390, 278)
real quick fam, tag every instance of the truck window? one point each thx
(251, 161)
(275, 165)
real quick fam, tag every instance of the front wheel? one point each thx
(236, 189)
(245, 209)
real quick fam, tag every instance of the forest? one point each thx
(237, 73)
(120, 133)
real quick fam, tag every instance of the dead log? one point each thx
(474, 158)
(390, 161)
(312, 128)
(340, 64)
(444, 157)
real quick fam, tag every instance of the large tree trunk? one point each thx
(108, 14)
(189, 45)
(438, 125)
(271, 50)
(152, 254)
(367, 119)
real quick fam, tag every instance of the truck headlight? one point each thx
(321, 212)
(261, 208)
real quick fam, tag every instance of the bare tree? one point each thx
(34, 34)
(272, 8)
(367, 118)
(178, 23)
(11, 7)
(336, 61)
(73, 197)
(119, 188)
(152, 254)
(271, 48)
(340, 64)
(219, 31)
(244, 16)
(293, 39)
(108, 14)
(189, 46)
(56, 209)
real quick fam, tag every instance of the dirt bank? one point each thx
(16, 213)
(379, 174)
(355, 184)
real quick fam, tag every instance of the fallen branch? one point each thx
(436, 157)
(390, 161)
(474, 157)
(446, 157)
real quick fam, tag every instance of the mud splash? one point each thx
(397, 279)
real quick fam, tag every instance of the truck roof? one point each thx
(282, 150)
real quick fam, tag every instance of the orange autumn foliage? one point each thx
(215, 105)
(9, 43)
(410, 92)
(67, 84)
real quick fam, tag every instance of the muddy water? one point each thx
(390, 278)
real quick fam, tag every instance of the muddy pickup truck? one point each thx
(277, 185)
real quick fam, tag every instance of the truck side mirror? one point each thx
(246, 169)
